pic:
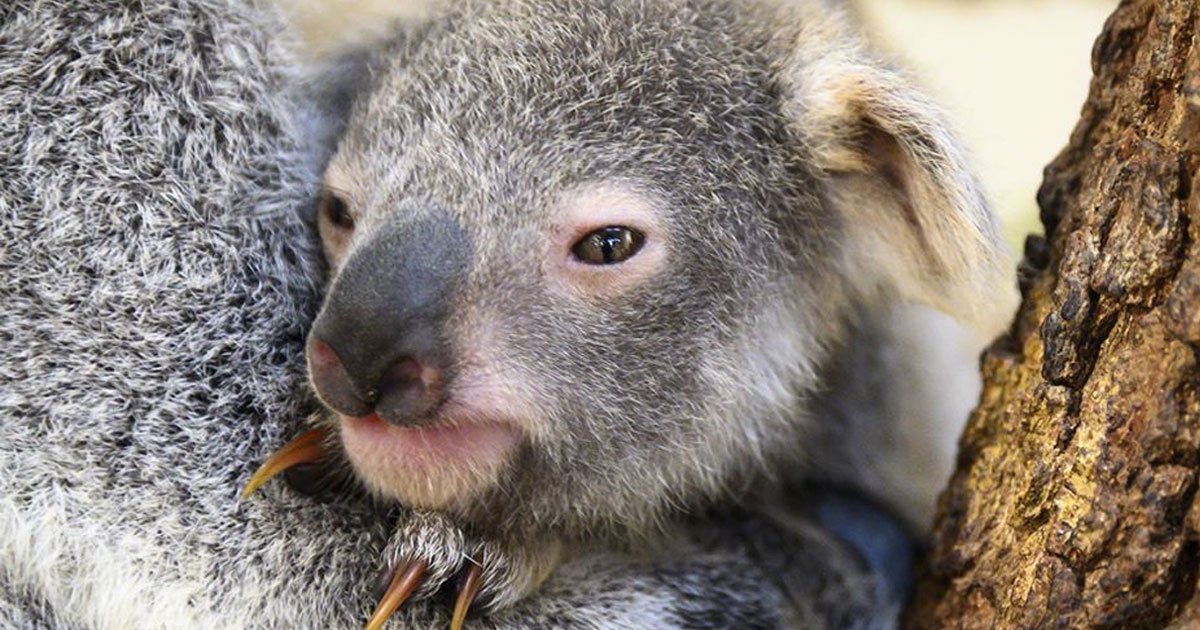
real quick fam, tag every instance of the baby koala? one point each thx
(599, 264)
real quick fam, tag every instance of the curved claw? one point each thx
(466, 595)
(305, 448)
(404, 582)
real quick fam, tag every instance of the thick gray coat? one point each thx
(157, 277)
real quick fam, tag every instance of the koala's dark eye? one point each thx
(608, 245)
(334, 208)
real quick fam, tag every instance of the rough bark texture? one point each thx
(1074, 504)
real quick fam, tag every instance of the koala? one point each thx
(599, 266)
(159, 278)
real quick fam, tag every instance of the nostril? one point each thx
(408, 390)
(405, 373)
(410, 374)
(321, 354)
(332, 382)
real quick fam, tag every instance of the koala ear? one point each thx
(916, 218)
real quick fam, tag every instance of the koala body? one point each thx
(598, 265)
(158, 280)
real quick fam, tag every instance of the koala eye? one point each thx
(335, 210)
(608, 245)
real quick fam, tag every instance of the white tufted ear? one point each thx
(915, 215)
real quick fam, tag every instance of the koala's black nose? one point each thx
(404, 392)
(379, 343)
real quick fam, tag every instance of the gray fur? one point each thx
(157, 277)
(807, 191)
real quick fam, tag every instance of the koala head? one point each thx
(587, 258)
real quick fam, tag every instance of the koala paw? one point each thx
(428, 552)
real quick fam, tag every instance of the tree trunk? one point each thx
(1074, 503)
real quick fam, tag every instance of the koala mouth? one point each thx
(438, 466)
(432, 466)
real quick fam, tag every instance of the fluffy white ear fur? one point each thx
(916, 217)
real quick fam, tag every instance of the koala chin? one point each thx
(597, 265)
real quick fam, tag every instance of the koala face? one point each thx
(585, 259)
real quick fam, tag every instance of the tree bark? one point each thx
(1074, 503)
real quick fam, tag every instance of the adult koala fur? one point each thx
(157, 280)
(599, 264)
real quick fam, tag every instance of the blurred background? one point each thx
(1012, 73)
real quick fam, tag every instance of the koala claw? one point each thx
(466, 595)
(306, 448)
(405, 580)
(430, 553)
(430, 550)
